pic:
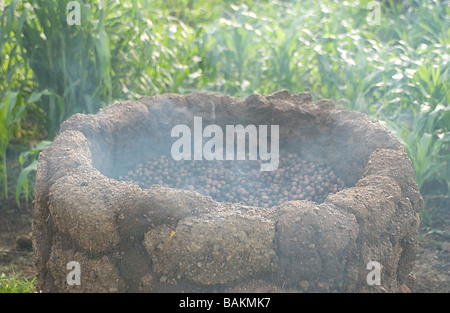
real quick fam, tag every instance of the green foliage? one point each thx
(424, 144)
(430, 231)
(11, 111)
(14, 284)
(30, 157)
(12, 66)
(71, 63)
(11, 103)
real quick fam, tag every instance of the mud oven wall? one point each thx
(126, 238)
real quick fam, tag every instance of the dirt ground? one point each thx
(16, 254)
(432, 268)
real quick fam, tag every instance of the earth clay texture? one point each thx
(127, 238)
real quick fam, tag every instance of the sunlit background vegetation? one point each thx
(396, 71)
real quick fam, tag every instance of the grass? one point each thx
(14, 284)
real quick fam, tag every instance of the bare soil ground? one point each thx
(16, 254)
(432, 268)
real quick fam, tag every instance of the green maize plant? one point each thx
(11, 111)
(71, 62)
(12, 106)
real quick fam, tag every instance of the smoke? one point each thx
(189, 145)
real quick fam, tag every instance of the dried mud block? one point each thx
(215, 248)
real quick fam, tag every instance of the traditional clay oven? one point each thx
(156, 238)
